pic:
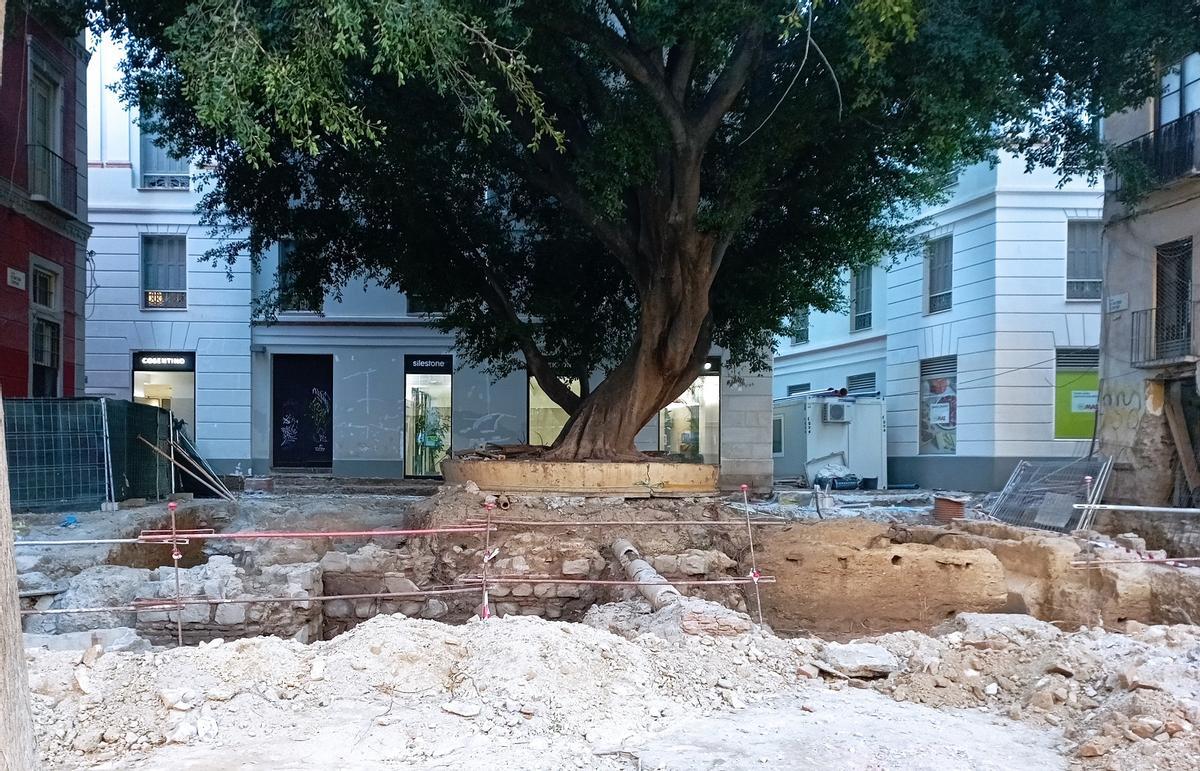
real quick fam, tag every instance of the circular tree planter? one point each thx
(632, 480)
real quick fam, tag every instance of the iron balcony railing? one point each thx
(1164, 335)
(51, 178)
(1170, 151)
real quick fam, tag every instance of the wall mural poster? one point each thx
(302, 406)
(939, 415)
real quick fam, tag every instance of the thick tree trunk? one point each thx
(674, 336)
(17, 750)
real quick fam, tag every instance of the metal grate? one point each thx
(941, 365)
(1078, 358)
(1042, 494)
(859, 383)
(56, 458)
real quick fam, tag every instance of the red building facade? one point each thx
(43, 206)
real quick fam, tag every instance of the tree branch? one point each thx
(680, 59)
(636, 66)
(535, 361)
(729, 83)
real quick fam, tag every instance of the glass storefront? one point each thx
(427, 414)
(167, 379)
(689, 428)
(546, 419)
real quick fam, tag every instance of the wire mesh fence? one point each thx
(1042, 493)
(56, 453)
(66, 454)
(137, 471)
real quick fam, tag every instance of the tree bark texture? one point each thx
(673, 339)
(17, 749)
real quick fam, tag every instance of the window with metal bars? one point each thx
(1173, 299)
(939, 275)
(800, 328)
(861, 383)
(860, 299)
(1084, 267)
(164, 271)
(47, 358)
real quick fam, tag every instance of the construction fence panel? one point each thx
(1042, 493)
(56, 453)
(74, 454)
(138, 471)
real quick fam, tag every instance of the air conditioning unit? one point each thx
(837, 412)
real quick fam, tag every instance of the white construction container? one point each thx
(812, 431)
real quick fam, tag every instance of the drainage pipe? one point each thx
(650, 582)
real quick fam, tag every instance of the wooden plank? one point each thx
(1183, 439)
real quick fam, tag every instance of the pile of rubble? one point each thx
(538, 694)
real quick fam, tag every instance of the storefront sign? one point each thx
(1084, 401)
(164, 361)
(429, 365)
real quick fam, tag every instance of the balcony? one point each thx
(1170, 151)
(51, 179)
(1164, 336)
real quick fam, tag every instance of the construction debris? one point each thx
(528, 693)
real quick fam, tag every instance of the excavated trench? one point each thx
(552, 555)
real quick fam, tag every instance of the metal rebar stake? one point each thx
(175, 557)
(754, 574)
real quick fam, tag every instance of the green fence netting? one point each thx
(59, 459)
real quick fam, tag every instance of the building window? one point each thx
(777, 435)
(939, 275)
(291, 297)
(1076, 391)
(1180, 90)
(160, 169)
(164, 272)
(47, 357)
(1084, 268)
(860, 299)
(939, 406)
(800, 327)
(45, 329)
(51, 176)
(44, 288)
(799, 388)
(419, 306)
(864, 383)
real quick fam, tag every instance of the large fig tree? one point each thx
(617, 185)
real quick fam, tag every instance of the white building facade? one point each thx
(985, 342)
(360, 387)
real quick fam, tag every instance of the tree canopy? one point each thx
(617, 186)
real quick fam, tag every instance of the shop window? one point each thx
(546, 418)
(428, 409)
(689, 428)
(939, 406)
(167, 379)
(164, 272)
(1076, 392)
